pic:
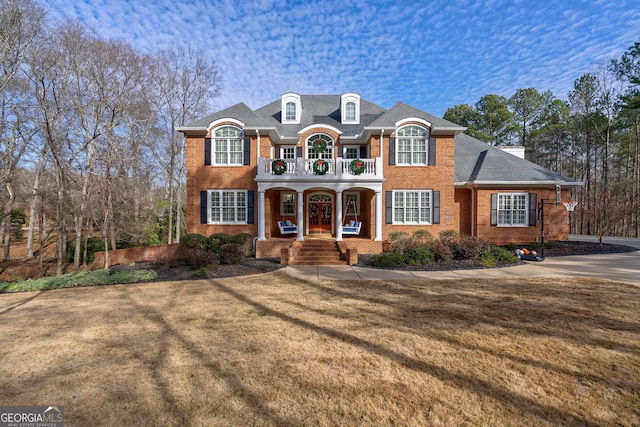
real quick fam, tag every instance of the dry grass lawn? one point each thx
(272, 350)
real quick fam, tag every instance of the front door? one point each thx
(320, 213)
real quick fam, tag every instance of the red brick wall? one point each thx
(201, 177)
(439, 177)
(556, 219)
(142, 254)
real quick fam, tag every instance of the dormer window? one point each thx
(350, 108)
(290, 111)
(291, 108)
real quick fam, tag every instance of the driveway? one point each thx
(621, 267)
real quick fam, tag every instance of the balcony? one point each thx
(337, 168)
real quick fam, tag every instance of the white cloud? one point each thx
(432, 55)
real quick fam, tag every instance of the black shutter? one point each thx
(494, 209)
(533, 204)
(247, 152)
(298, 152)
(207, 151)
(363, 152)
(392, 151)
(203, 207)
(436, 207)
(389, 206)
(432, 152)
(250, 207)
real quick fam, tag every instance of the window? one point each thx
(287, 204)
(291, 108)
(351, 205)
(227, 146)
(314, 139)
(412, 207)
(350, 108)
(228, 206)
(290, 113)
(288, 153)
(351, 152)
(411, 145)
(350, 111)
(512, 209)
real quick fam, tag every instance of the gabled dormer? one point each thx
(350, 108)
(291, 108)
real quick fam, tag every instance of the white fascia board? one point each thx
(303, 130)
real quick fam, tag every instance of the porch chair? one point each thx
(286, 227)
(353, 227)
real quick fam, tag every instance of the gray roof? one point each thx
(481, 164)
(476, 162)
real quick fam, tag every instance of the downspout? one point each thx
(258, 149)
(473, 210)
(381, 146)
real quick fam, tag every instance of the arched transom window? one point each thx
(320, 140)
(411, 145)
(227, 146)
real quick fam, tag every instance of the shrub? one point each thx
(535, 246)
(419, 255)
(215, 241)
(245, 240)
(193, 241)
(386, 260)
(198, 258)
(449, 236)
(231, 253)
(497, 254)
(471, 248)
(441, 251)
(422, 236)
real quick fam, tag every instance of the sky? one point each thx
(432, 55)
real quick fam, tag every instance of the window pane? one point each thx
(215, 207)
(291, 111)
(350, 111)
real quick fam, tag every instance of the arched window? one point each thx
(319, 139)
(350, 111)
(290, 113)
(227, 146)
(411, 145)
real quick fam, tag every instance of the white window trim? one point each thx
(526, 210)
(344, 100)
(327, 155)
(284, 147)
(426, 147)
(404, 192)
(282, 202)
(235, 206)
(295, 98)
(345, 208)
(214, 139)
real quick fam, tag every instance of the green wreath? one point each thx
(320, 167)
(319, 145)
(278, 166)
(357, 166)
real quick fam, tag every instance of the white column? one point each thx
(338, 216)
(378, 236)
(300, 216)
(261, 231)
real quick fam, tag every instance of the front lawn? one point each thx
(272, 350)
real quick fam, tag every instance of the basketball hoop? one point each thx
(570, 205)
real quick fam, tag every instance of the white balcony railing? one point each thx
(337, 166)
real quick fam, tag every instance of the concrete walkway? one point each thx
(622, 267)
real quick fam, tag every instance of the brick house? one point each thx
(340, 167)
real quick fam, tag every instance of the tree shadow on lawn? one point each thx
(462, 317)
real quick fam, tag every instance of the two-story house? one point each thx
(344, 168)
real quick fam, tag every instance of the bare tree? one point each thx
(186, 86)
